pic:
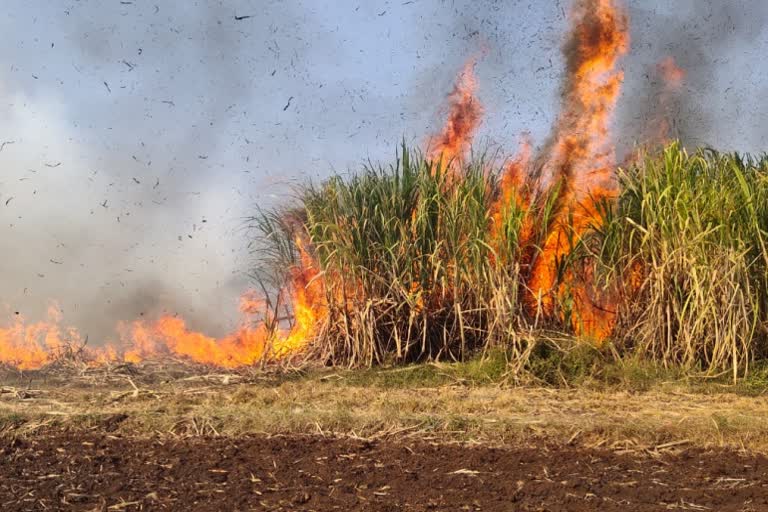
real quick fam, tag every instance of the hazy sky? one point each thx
(138, 134)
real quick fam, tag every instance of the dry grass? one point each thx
(345, 404)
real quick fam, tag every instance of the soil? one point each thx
(101, 472)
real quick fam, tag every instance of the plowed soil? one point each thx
(101, 472)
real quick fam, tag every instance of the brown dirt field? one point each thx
(100, 472)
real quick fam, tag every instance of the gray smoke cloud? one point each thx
(708, 40)
(123, 127)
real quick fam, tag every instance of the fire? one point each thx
(513, 179)
(576, 164)
(32, 346)
(169, 336)
(465, 114)
(515, 191)
(672, 74)
(580, 159)
(309, 304)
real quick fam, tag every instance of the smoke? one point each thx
(708, 40)
(125, 168)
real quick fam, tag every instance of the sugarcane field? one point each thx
(418, 256)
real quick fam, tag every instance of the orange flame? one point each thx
(581, 158)
(28, 346)
(169, 336)
(31, 346)
(249, 343)
(514, 190)
(309, 304)
(515, 176)
(465, 114)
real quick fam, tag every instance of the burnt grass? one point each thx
(99, 471)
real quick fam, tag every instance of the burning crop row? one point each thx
(440, 255)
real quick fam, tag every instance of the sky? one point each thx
(137, 136)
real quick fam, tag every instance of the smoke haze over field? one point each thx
(138, 135)
(719, 46)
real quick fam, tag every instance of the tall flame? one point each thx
(465, 114)
(580, 158)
